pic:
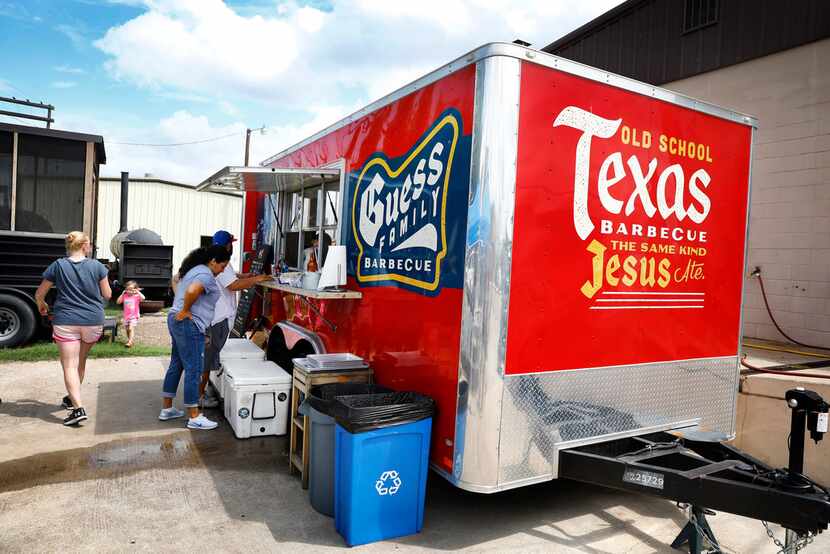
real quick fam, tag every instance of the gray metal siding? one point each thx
(644, 39)
(180, 214)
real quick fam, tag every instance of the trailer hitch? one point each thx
(810, 411)
(708, 476)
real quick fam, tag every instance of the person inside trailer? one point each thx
(312, 252)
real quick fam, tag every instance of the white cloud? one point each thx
(69, 69)
(200, 45)
(298, 60)
(73, 34)
(64, 84)
(193, 162)
(293, 56)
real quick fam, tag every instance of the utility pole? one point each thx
(248, 141)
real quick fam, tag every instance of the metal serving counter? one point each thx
(312, 293)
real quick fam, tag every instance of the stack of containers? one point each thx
(234, 349)
(255, 391)
(319, 406)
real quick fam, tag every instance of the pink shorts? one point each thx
(71, 333)
(131, 323)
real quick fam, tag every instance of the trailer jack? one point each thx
(707, 476)
(696, 531)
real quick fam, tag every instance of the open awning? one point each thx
(267, 179)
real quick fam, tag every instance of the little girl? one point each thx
(131, 298)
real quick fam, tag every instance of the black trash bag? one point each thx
(367, 412)
(321, 397)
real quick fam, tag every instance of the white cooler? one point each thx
(241, 349)
(234, 349)
(256, 397)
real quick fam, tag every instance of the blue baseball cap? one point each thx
(223, 238)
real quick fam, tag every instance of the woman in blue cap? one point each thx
(230, 282)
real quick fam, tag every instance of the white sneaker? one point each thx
(201, 422)
(170, 413)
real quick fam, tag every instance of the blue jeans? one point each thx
(188, 356)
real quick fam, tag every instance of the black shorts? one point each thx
(217, 335)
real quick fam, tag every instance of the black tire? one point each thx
(18, 321)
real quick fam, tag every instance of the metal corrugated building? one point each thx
(176, 211)
(660, 41)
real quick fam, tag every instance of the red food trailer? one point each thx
(552, 252)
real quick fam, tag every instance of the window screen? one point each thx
(50, 185)
(699, 14)
(6, 145)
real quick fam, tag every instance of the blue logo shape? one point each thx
(399, 214)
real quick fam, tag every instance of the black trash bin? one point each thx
(319, 407)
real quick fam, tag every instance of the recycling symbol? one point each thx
(388, 483)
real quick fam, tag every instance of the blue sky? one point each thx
(169, 71)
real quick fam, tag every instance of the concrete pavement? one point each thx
(127, 482)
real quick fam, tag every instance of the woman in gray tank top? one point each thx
(78, 314)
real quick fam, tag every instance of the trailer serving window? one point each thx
(304, 206)
(313, 214)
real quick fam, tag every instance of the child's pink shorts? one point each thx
(71, 333)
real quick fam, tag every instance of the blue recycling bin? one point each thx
(380, 481)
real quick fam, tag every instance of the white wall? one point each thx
(180, 215)
(789, 234)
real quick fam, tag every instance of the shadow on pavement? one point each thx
(33, 409)
(455, 519)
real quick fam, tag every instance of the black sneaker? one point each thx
(76, 416)
(67, 403)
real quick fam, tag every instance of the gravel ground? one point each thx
(151, 330)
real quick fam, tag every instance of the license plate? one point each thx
(644, 478)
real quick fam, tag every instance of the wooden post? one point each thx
(89, 191)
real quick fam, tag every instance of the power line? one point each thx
(235, 134)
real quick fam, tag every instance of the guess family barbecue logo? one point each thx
(399, 210)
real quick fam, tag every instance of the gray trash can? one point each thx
(321, 462)
(319, 407)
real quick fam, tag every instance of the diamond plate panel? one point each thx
(541, 410)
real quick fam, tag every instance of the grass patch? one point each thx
(49, 351)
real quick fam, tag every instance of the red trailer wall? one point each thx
(608, 285)
(408, 323)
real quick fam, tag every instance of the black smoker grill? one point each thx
(141, 256)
